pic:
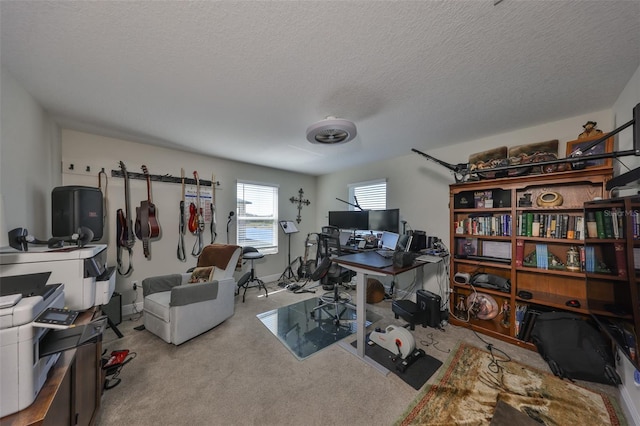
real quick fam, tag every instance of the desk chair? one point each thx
(333, 302)
(250, 279)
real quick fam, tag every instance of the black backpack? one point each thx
(574, 348)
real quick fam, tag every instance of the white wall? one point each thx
(29, 161)
(623, 112)
(98, 152)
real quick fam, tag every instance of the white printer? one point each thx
(83, 270)
(22, 370)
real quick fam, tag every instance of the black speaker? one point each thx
(76, 206)
(429, 302)
(113, 309)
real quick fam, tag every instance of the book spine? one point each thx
(621, 260)
(579, 228)
(600, 224)
(571, 228)
(590, 259)
(592, 226)
(564, 226)
(554, 226)
(529, 224)
(613, 214)
(519, 252)
(607, 224)
(535, 225)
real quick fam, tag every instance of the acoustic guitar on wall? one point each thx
(147, 226)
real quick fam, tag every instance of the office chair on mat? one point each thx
(334, 302)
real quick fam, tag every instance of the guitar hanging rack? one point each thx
(163, 178)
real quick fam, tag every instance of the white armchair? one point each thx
(176, 310)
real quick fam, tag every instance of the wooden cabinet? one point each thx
(522, 229)
(612, 271)
(71, 395)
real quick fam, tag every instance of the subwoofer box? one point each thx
(408, 311)
(429, 303)
(76, 206)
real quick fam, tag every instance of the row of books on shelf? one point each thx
(609, 260)
(607, 223)
(550, 225)
(490, 225)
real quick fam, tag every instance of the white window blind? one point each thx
(370, 195)
(257, 216)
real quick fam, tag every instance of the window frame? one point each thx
(353, 188)
(242, 219)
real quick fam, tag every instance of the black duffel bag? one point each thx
(574, 348)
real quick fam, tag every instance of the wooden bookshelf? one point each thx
(550, 285)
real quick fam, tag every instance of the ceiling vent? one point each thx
(331, 131)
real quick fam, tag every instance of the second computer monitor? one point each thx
(385, 220)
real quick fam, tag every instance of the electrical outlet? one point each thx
(135, 285)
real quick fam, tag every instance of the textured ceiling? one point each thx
(243, 80)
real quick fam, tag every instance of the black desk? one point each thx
(366, 263)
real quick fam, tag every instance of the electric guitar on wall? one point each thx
(125, 237)
(213, 224)
(193, 215)
(147, 226)
(199, 219)
(181, 254)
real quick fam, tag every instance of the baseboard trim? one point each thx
(132, 309)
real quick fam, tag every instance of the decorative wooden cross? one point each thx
(300, 202)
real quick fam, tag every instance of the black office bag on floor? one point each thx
(574, 349)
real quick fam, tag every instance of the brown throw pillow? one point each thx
(202, 274)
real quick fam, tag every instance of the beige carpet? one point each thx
(240, 374)
(474, 381)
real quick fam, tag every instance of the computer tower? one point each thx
(418, 241)
(429, 302)
(76, 206)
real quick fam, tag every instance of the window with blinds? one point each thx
(370, 195)
(257, 216)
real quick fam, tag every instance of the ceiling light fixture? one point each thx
(331, 131)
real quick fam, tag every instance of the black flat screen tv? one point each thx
(384, 220)
(349, 219)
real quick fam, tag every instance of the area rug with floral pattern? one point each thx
(471, 384)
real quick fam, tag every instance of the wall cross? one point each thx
(301, 201)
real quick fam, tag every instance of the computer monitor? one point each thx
(349, 219)
(389, 240)
(385, 220)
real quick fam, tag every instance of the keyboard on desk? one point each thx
(386, 253)
(429, 258)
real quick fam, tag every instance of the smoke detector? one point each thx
(331, 131)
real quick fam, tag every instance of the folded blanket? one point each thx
(217, 255)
